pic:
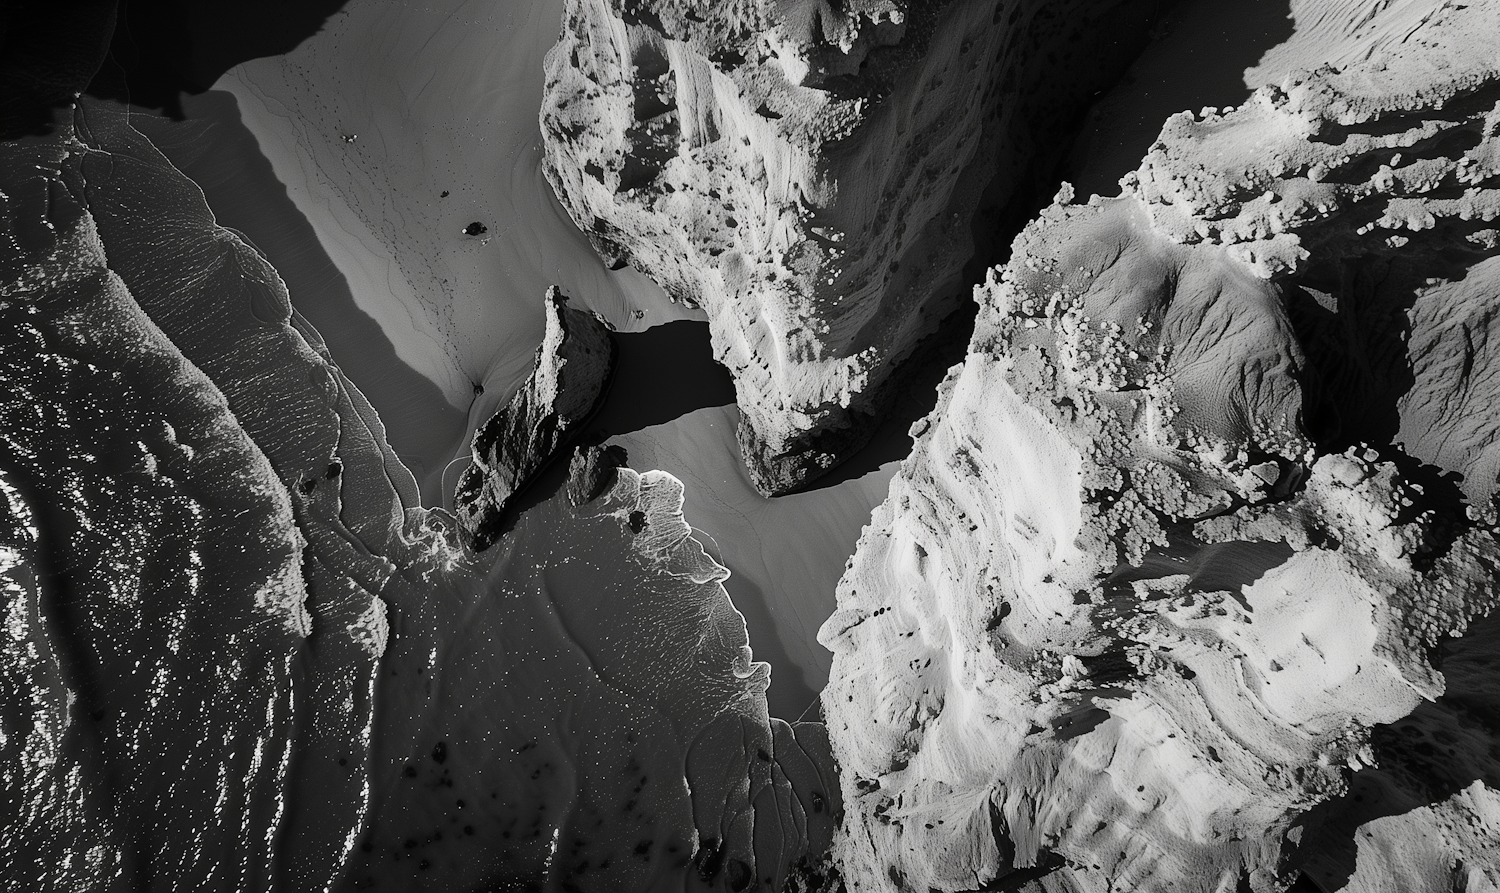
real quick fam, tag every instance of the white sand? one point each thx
(438, 96)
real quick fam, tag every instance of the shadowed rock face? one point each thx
(592, 472)
(1190, 579)
(566, 387)
(238, 655)
(808, 173)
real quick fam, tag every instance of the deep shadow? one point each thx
(1016, 880)
(540, 487)
(1008, 203)
(1349, 313)
(49, 51)
(1352, 313)
(220, 154)
(912, 400)
(660, 374)
(1232, 566)
(166, 49)
(1198, 56)
(1010, 200)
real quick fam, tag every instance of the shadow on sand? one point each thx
(1198, 57)
(215, 149)
(164, 50)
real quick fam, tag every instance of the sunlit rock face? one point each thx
(809, 172)
(1176, 590)
(567, 385)
(238, 656)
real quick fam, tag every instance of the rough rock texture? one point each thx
(592, 472)
(1185, 584)
(567, 386)
(808, 172)
(237, 656)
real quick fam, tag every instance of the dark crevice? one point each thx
(1006, 206)
(1475, 102)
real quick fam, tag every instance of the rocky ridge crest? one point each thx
(1189, 575)
(809, 173)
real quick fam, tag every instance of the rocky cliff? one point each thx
(1187, 583)
(567, 385)
(809, 174)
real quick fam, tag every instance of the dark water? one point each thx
(48, 52)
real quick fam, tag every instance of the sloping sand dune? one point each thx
(370, 122)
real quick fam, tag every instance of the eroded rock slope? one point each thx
(567, 385)
(1187, 583)
(808, 173)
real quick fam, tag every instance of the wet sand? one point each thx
(214, 148)
(785, 555)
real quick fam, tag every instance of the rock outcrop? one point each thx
(809, 173)
(567, 385)
(1187, 584)
(238, 655)
(591, 472)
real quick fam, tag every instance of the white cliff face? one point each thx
(1155, 604)
(809, 175)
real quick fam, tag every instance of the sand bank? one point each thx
(394, 129)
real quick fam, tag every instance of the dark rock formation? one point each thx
(566, 387)
(808, 173)
(592, 472)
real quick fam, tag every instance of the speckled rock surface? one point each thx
(808, 173)
(567, 385)
(1186, 583)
